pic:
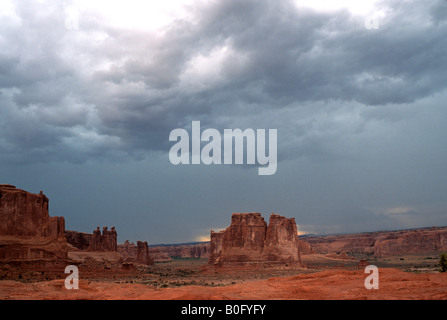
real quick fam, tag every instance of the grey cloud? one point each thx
(280, 57)
(360, 115)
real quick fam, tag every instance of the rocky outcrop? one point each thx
(243, 241)
(411, 241)
(352, 243)
(216, 246)
(249, 239)
(26, 214)
(128, 251)
(138, 253)
(304, 247)
(80, 240)
(281, 241)
(27, 232)
(382, 243)
(189, 251)
(107, 241)
(143, 256)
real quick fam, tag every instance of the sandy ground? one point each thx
(324, 285)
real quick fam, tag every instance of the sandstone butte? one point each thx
(249, 239)
(27, 233)
(30, 238)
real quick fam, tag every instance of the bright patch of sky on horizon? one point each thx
(155, 15)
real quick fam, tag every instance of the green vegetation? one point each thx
(443, 262)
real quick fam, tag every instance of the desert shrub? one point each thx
(443, 262)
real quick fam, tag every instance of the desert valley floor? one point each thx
(322, 277)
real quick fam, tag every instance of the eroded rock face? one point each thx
(304, 247)
(143, 256)
(216, 241)
(250, 240)
(27, 232)
(138, 253)
(243, 240)
(80, 240)
(192, 251)
(26, 214)
(411, 241)
(281, 242)
(128, 251)
(107, 241)
(382, 243)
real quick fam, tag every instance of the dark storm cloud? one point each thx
(360, 115)
(109, 89)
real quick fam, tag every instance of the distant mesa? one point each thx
(381, 243)
(164, 253)
(249, 239)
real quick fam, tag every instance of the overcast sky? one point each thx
(90, 91)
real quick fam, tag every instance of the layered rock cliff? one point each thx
(27, 232)
(190, 251)
(107, 241)
(382, 243)
(143, 256)
(412, 241)
(138, 253)
(80, 240)
(249, 239)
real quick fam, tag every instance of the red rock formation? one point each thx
(26, 214)
(143, 256)
(27, 232)
(411, 241)
(243, 240)
(215, 257)
(281, 242)
(107, 241)
(80, 240)
(135, 253)
(249, 240)
(382, 243)
(304, 247)
(354, 243)
(159, 255)
(191, 251)
(128, 251)
(344, 255)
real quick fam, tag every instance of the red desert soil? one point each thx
(325, 285)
